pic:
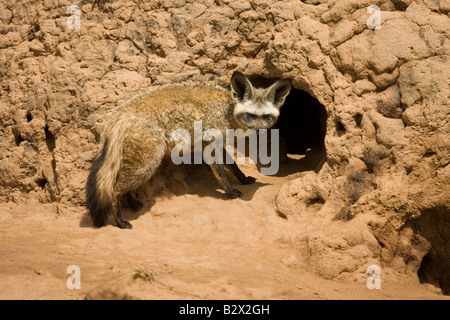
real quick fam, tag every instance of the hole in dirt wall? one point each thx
(434, 225)
(302, 124)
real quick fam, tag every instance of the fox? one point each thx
(137, 136)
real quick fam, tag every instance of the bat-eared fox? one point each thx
(138, 136)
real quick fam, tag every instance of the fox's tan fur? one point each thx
(138, 136)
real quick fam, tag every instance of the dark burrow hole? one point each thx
(358, 119)
(302, 122)
(41, 183)
(18, 139)
(316, 200)
(302, 125)
(28, 116)
(340, 128)
(49, 139)
(434, 225)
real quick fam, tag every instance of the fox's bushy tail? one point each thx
(103, 174)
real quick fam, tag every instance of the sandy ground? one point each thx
(195, 245)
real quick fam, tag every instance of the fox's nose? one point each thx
(259, 125)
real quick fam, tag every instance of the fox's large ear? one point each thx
(278, 91)
(241, 86)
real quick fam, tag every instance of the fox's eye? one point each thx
(250, 116)
(267, 118)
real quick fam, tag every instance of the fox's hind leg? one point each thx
(142, 155)
(135, 204)
(122, 224)
(128, 179)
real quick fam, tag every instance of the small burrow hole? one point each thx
(358, 119)
(41, 183)
(18, 139)
(49, 139)
(340, 128)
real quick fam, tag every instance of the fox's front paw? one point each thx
(124, 224)
(248, 180)
(234, 193)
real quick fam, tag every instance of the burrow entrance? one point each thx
(434, 225)
(302, 125)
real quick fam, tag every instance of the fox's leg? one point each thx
(128, 180)
(235, 169)
(219, 173)
(122, 224)
(240, 175)
(136, 205)
(142, 155)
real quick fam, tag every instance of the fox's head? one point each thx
(257, 108)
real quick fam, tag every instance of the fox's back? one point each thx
(178, 106)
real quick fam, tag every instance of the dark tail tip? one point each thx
(98, 210)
